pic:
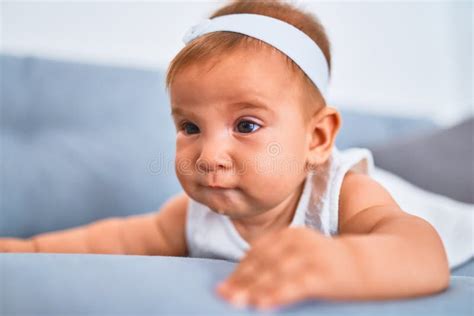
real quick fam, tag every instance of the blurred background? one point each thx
(409, 58)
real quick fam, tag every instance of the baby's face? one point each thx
(241, 141)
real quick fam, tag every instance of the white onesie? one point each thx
(212, 235)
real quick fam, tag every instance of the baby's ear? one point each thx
(323, 127)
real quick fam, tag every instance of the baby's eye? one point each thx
(189, 128)
(247, 126)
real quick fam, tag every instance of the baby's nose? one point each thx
(213, 158)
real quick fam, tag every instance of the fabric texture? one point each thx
(212, 235)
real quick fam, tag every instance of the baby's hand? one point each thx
(279, 269)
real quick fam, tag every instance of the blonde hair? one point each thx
(219, 43)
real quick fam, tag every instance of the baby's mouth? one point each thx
(218, 191)
(218, 186)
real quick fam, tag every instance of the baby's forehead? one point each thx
(248, 71)
(241, 58)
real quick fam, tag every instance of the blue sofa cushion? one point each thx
(81, 142)
(440, 161)
(59, 284)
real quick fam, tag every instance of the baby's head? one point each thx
(250, 123)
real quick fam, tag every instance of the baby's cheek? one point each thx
(278, 165)
(183, 167)
(283, 171)
(271, 178)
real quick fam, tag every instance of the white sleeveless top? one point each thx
(212, 235)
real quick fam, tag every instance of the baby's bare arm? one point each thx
(158, 233)
(394, 254)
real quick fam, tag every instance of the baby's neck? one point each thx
(275, 219)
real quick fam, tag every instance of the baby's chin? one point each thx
(229, 202)
(234, 214)
(223, 202)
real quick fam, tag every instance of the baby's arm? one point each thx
(395, 254)
(381, 252)
(158, 233)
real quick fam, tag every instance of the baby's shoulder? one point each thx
(360, 192)
(171, 222)
(175, 206)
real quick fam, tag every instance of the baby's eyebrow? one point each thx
(249, 105)
(175, 111)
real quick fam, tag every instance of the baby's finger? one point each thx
(275, 276)
(293, 273)
(262, 286)
(283, 294)
(239, 279)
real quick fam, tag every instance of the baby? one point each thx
(263, 181)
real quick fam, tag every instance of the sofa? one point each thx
(81, 142)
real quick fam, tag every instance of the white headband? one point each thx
(285, 37)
